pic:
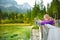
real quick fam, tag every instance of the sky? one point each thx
(32, 2)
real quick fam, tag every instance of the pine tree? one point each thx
(0, 15)
(36, 10)
(54, 9)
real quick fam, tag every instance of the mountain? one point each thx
(12, 6)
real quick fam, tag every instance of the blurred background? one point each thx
(17, 11)
(17, 16)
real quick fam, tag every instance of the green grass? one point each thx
(14, 33)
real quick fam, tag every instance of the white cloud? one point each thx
(32, 2)
(45, 2)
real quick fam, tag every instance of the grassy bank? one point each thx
(16, 24)
(14, 32)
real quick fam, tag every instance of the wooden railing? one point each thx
(48, 32)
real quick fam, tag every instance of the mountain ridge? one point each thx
(12, 6)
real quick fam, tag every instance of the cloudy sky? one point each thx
(32, 2)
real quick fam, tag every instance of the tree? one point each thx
(0, 15)
(4, 15)
(44, 10)
(28, 15)
(21, 17)
(35, 11)
(54, 9)
(16, 15)
(58, 8)
(12, 15)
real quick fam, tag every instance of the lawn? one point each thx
(14, 33)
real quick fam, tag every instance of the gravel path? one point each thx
(35, 34)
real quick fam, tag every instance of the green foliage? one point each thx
(35, 11)
(29, 15)
(35, 27)
(0, 15)
(13, 21)
(54, 9)
(21, 17)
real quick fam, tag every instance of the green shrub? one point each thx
(35, 27)
(12, 21)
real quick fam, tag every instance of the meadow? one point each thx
(15, 32)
